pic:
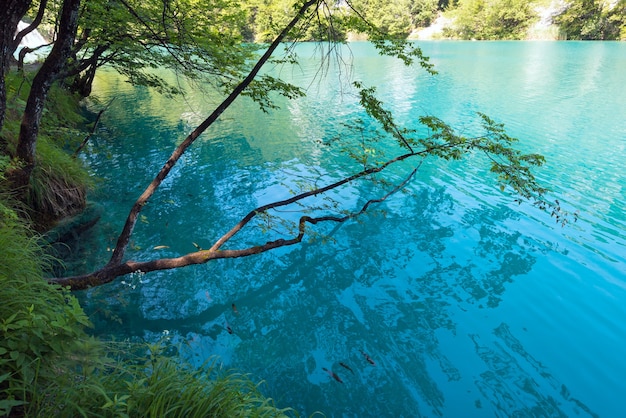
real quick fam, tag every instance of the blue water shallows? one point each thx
(468, 304)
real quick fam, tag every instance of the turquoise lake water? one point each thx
(470, 305)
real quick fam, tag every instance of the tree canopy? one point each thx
(492, 19)
(594, 20)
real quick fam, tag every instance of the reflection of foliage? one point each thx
(399, 301)
(512, 260)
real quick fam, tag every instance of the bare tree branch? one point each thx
(124, 237)
(115, 266)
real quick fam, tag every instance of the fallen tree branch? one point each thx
(511, 166)
(110, 272)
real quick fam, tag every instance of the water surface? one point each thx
(469, 304)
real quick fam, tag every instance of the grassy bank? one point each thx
(59, 182)
(49, 365)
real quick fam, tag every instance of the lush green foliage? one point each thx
(474, 19)
(594, 19)
(513, 169)
(390, 17)
(424, 12)
(196, 38)
(42, 339)
(266, 18)
(49, 366)
(491, 19)
(59, 182)
(154, 384)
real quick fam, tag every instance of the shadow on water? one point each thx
(513, 391)
(414, 305)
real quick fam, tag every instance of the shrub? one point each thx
(491, 19)
(593, 20)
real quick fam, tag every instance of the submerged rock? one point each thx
(65, 241)
(71, 227)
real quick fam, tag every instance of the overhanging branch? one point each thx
(124, 238)
(110, 272)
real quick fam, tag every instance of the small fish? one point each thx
(235, 309)
(199, 248)
(160, 247)
(345, 366)
(208, 297)
(228, 328)
(333, 375)
(368, 358)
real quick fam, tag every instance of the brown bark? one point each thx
(47, 74)
(124, 238)
(11, 13)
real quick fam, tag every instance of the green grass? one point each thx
(59, 184)
(40, 325)
(158, 385)
(49, 366)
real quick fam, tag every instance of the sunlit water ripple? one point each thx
(469, 304)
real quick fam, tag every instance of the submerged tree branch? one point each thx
(93, 130)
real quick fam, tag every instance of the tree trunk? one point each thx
(47, 74)
(131, 220)
(82, 82)
(10, 15)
